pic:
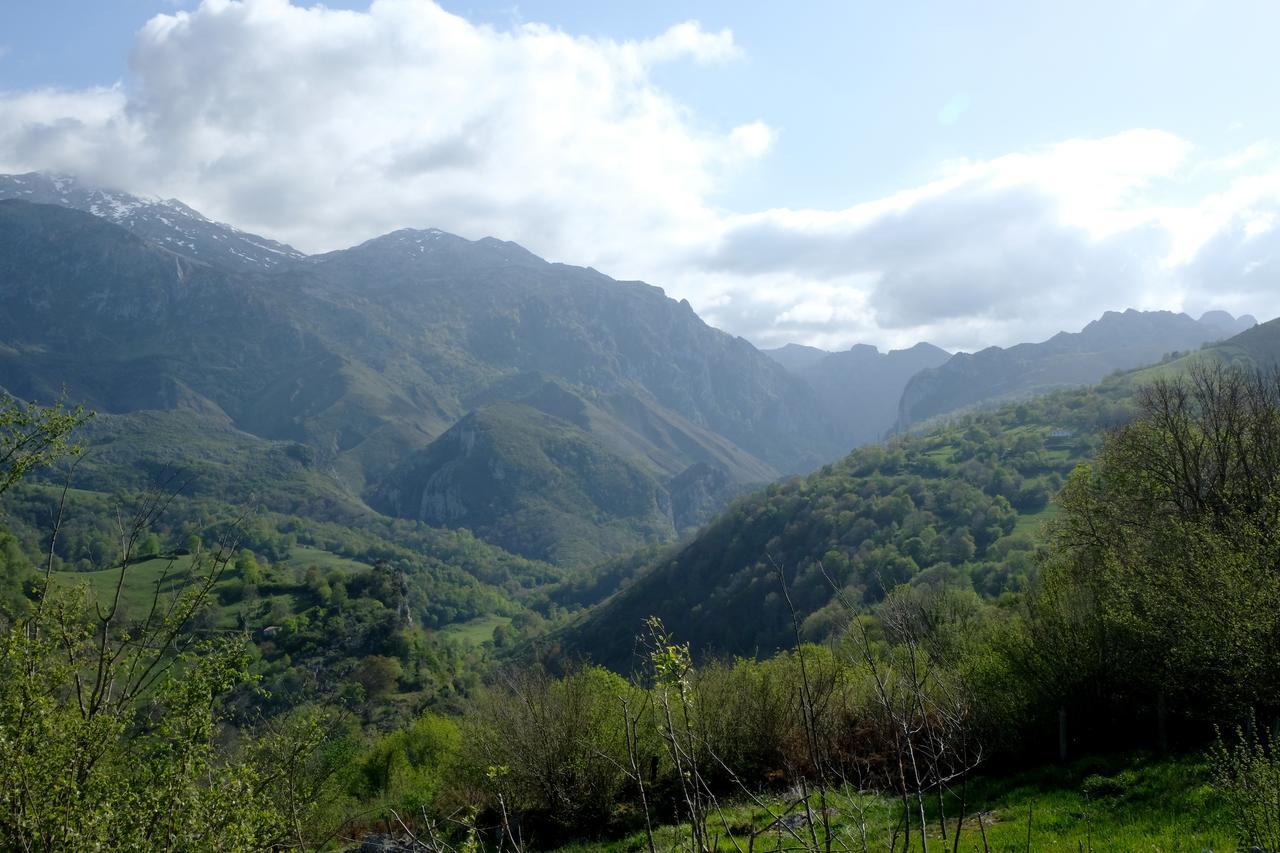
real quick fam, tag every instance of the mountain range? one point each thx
(1116, 341)
(554, 411)
(377, 358)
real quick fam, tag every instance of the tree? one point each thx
(247, 566)
(1173, 539)
(16, 572)
(108, 725)
(32, 436)
(379, 675)
(150, 546)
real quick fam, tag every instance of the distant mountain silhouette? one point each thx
(1116, 341)
(859, 387)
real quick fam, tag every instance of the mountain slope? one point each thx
(501, 310)
(166, 222)
(1116, 341)
(633, 425)
(364, 356)
(533, 484)
(955, 506)
(1257, 348)
(125, 325)
(859, 387)
(553, 476)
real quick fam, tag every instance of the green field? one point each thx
(475, 631)
(1032, 522)
(280, 593)
(141, 580)
(302, 558)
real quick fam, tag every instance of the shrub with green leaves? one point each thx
(1246, 773)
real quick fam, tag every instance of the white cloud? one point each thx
(325, 127)
(1017, 247)
(689, 39)
(753, 139)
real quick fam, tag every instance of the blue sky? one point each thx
(854, 117)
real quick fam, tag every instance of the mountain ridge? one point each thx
(1115, 341)
(167, 222)
(370, 354)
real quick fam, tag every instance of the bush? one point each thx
(1246, 774)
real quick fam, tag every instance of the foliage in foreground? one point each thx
(1133, 802)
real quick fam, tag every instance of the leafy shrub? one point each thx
(1246, 773)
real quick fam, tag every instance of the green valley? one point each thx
(432, 545)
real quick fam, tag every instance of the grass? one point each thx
(302, 558)
(282, 586)
(1130, 803)
(141, 579)
(475, 631)
(1030, 523)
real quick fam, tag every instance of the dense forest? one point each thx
(1081, 580)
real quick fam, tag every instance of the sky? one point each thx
(819, 172)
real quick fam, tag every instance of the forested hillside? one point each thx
(530, 483)
(959, 505)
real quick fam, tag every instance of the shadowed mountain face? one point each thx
(1116, 341)
(370, 354)
(542, 471)
(860, 387)
(1226, 324)
(479, 312)
(125, 325)
(534, 484)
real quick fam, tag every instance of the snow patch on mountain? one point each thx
(167, 222)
